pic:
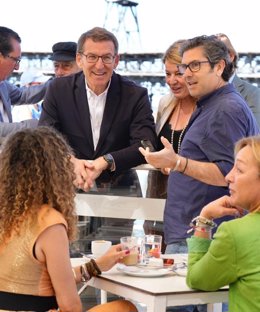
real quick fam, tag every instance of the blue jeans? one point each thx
(179, 248)
(224, 307)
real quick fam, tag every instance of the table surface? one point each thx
(168, 290)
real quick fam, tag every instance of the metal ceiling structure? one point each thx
(121, 18)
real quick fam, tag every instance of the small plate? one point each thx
(154, 267)
(142, 272)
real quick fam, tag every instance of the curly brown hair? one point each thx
(35, 169)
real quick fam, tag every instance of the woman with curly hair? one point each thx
(37, 222)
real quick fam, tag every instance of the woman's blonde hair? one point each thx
(254, 143)
(35, 169)
(172, 54)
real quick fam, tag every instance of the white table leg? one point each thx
(214, 307)
(103, 295)
(157, 304)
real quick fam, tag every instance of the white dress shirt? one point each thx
(96, 110)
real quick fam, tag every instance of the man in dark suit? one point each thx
(249, 92)
(103, 115)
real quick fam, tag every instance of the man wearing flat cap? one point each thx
(64, 58)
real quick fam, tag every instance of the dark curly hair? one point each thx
(35, 169)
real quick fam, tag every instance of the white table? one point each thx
(157, 293)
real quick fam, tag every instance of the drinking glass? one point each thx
(152, 247)
(132, 244)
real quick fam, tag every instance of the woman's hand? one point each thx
(111, 257)
(220, 208)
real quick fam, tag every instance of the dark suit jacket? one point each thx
(126, 121)
(251, 94)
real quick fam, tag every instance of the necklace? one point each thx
(180, 138)
(182, 131)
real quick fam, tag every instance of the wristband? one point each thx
(176, 165)
(185, 166)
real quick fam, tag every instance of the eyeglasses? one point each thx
(193, 66)
(93, 58)
(17, 60)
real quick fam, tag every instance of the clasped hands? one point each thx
(86, 171)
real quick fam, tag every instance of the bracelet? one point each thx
(176, 165)
(198, 221)
(186, 164)
(203, 224)
(204, 229)
(85, 276)
(88, 270)
(97, 270)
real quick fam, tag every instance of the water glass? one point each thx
(152, 247)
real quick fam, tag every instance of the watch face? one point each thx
(109, 159)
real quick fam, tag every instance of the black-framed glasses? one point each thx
(17, 60)
(193, 66)
(93, 58)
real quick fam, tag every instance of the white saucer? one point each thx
(142, 272)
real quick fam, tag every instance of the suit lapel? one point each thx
(81, 101)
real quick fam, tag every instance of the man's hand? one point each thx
(87, 171)
(81, 166)
(165, 158)
(93, 172)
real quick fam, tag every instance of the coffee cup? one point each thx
(99, 247)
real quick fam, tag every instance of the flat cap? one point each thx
(64, 51)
